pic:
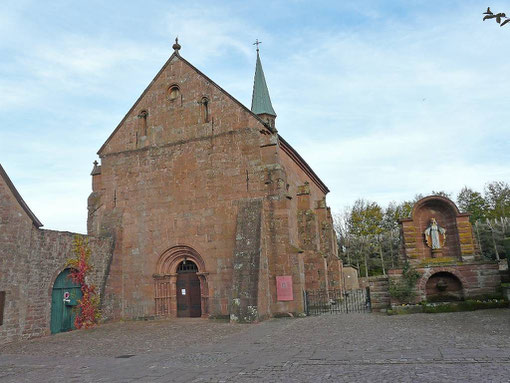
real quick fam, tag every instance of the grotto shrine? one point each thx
(438, 242)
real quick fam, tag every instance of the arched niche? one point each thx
(445, 212)
(444, 286)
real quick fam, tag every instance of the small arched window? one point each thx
(204, 109)
(174, 93)
(143, 122)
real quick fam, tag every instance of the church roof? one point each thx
(260, 101)
(20, 200)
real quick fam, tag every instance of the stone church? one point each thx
(212, 212)
(198, 209)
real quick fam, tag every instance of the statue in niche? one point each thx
(435, 235)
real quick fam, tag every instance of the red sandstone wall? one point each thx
(459, 235)
(311, 229)
(15, 235)
(178, 185)
(477, 279)
(178, 180)
(30, 260)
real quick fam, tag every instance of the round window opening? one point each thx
(173, 93)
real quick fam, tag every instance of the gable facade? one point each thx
(191, 175)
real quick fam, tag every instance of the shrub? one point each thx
(403, 289)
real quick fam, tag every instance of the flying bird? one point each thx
(505, 22)
(497, 16)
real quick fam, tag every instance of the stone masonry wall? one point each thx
(246, 263)
(173, 175)
(459, 245)
(30, 261)
(379, 291)
(174, 178)
(28, 278)
(477, 279)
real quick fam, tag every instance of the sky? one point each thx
(383, 99)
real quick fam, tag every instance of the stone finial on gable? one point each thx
(176, 47)
(96, 169)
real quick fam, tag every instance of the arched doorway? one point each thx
(444, 286)
(64, 298)
(188, 290)
(181, 267)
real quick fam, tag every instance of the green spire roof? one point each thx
(260, 101)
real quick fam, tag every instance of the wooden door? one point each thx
(64, 300)
(188, 295)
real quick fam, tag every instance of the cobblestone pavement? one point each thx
(455, 347)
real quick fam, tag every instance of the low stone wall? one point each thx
(379, 291)
(477, 279)
(27, 274)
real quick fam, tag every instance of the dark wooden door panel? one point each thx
(188, 295)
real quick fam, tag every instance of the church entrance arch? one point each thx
(180, 284)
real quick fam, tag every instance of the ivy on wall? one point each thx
(88, 314)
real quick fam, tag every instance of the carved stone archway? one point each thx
(165, 279)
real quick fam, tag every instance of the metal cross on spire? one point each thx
(257, 42)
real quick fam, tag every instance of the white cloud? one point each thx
(216, 30)
(391, 113)
(381, 105)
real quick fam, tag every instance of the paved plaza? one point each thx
(454, 347)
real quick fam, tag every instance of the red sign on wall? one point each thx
(284, 288)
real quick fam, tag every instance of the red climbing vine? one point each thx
(88, 313)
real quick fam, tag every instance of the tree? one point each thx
(442, 193)
(365, 218)
(395, 212)
(497, 195)
(472, 202)
(491, 234)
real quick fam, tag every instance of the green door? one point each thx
(64, 301)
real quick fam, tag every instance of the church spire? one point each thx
(261, 102)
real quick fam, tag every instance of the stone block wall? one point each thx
(30, 261)
(476, 279)
(177, 171)
(28, 274)
(459, 244)
(379, 291)
(350, 278)
(246, 263)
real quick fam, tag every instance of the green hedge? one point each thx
(467, 305)
(448, 307)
